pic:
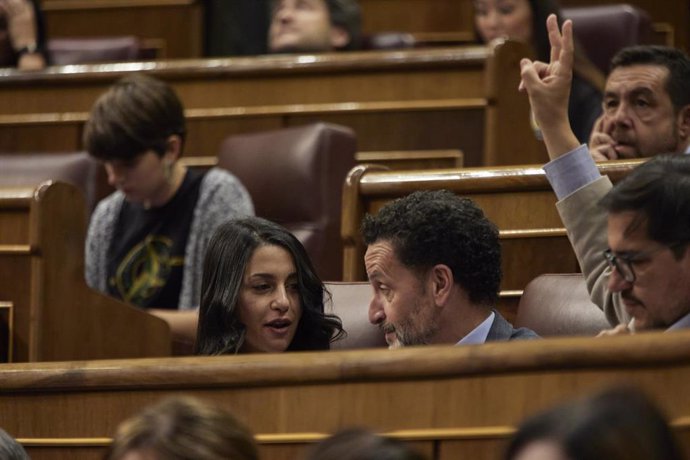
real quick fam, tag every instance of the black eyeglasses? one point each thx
(623, 263)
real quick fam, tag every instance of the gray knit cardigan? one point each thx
(221, 197)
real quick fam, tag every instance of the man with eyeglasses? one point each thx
(642, 281)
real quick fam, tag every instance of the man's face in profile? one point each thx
(300, 26)
(401, 305)
(658, 292)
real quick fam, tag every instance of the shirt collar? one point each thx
(479, 334)
(683, 323)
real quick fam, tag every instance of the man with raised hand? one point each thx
(631, 240)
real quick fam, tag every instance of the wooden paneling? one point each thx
(413, 159)
(519, 200)
(423, 18)
(449, 400)
(452, 20)
(56, 316)
(443, 98)
(173, 26)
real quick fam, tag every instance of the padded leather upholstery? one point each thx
(295, 177)
(603, 30)
(559, 305)
(66, 51)
(76, 168)
(388, 41)
(350, 301)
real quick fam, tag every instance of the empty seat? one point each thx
(350, 301)
(76, 168)
(603, 30)
(295, 178)
(87, 50)
(559, 305)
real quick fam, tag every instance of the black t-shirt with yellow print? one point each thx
(146, 256)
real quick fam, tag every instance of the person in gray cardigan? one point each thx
(146, 241)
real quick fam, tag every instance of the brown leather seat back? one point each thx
(350, 301)
(388, 41)
(86, 50)
(559, 305)
(295, 177)
(603, 30)
(76, 168)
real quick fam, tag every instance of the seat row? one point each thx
(42, 229)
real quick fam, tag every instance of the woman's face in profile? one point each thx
(503, 18)
(269, 302)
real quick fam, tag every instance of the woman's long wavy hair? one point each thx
(232, 245)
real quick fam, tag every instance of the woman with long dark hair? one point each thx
(259, 293)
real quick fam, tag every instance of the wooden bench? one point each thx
(419, 99)
(519, 200)
(55, 315)
(173, 26)
(445, 21)
(430, 21)
(452, 402)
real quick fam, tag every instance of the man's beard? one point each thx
(415, 329)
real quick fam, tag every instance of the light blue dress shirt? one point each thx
(479, 334)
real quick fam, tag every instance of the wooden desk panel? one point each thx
(56, 316)
(174, 26)
(374, 76)
(418, 16)
(444, 98)
(452, 124)
(457, 399)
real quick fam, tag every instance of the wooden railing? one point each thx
(453, 402)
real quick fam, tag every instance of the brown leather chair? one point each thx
(88, 50)
(388, 41)
(76, 168)
(603, 30)
(295, 177)
(559, 305)
(350, 301)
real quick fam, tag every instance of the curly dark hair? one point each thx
(427, 228)
(228, 253)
